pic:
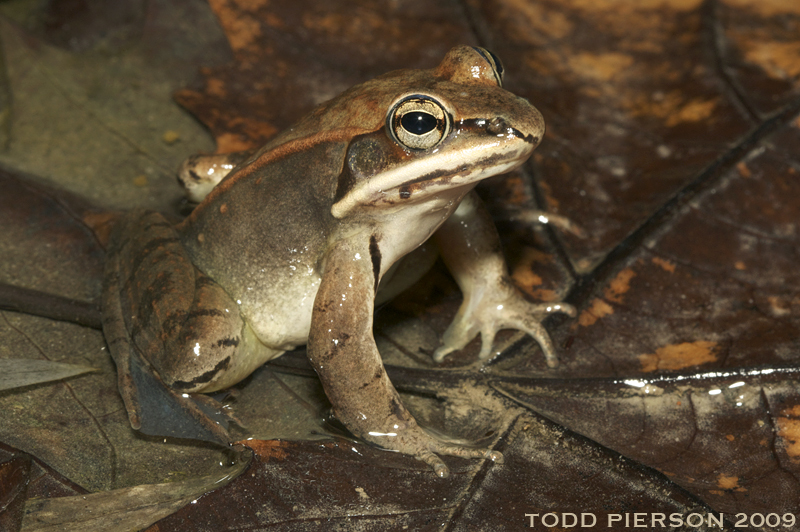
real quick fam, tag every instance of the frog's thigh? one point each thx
(180, 321)
(216, 348)
(406, 272)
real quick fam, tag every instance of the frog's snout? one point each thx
(502, 127)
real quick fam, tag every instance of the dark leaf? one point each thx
(672, 143)
(19, 373)
(14, 478)
(123, 509)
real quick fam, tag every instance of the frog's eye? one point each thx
(418, 122)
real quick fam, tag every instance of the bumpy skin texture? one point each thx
(292, 246)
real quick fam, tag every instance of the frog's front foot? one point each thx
(417, 442)
(500, 307)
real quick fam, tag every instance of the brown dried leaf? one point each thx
(672, 138)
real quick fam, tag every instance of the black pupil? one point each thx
(418, 122)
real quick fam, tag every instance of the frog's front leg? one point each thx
(199, 174)
(469, 244)
(342, 350)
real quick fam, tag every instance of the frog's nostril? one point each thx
(496, 126)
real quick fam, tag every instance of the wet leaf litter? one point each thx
(671, 141)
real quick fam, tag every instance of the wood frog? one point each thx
(296, 243)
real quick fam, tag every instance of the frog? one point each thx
(296, 243)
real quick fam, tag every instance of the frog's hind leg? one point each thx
(128, 325)
(165, 412)
(118, 342)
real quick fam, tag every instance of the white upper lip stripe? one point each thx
(510, 154)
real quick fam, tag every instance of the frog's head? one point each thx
(444, 130)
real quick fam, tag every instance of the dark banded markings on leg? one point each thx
(208, 376)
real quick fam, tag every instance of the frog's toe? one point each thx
(530, 322)
(216, 409)
(440, 468)
(457, 336)
(495, 456)
(440, 353)
(443, 351)
(436, 463)
(451, 346)
(510, 312)
(542, 310)
(485, 454)
(429, 448)
(487, 341)
(536, 330)
(563, 308)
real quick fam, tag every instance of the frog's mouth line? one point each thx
(445, 170)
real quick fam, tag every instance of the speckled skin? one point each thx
(291, 248)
